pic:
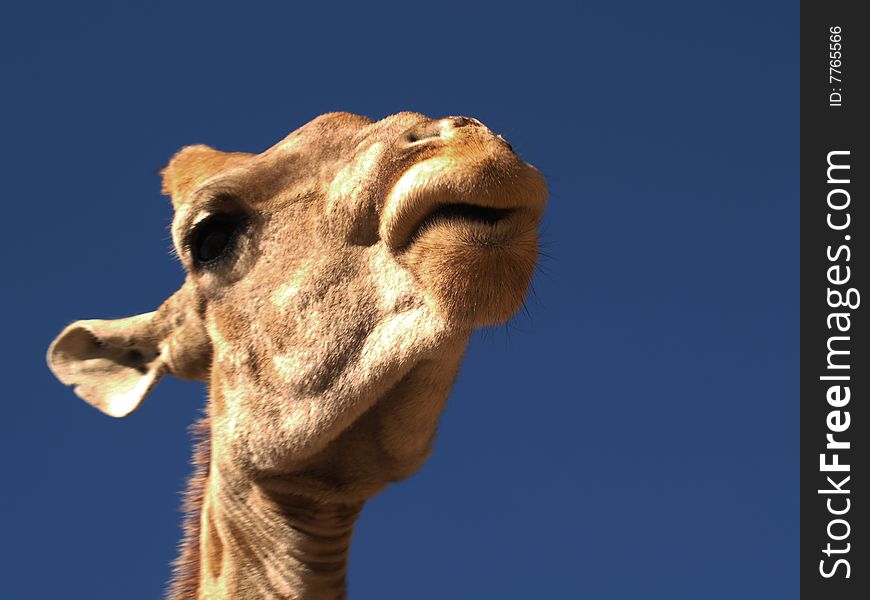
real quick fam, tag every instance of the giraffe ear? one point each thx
(114, 364)
(111, 364)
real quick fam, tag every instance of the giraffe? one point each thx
(332, 283)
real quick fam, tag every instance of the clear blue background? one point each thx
(636, 435)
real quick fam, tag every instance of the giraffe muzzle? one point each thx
(468, 177)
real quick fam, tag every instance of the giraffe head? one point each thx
(332, 283)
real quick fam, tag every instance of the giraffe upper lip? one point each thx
(427, 208)
(438, 190)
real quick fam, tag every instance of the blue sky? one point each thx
(635, 435)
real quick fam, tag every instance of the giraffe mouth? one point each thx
(436, 195)
(460, 214)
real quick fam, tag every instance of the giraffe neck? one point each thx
(259, 543)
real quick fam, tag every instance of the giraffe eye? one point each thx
(213, 238)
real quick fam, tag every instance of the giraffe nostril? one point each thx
(421, 132)
(434, 129)
(458, 122)
(411, 137)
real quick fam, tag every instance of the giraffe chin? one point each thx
(477, 273)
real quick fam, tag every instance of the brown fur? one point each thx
(185, 568)
(359, 257)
